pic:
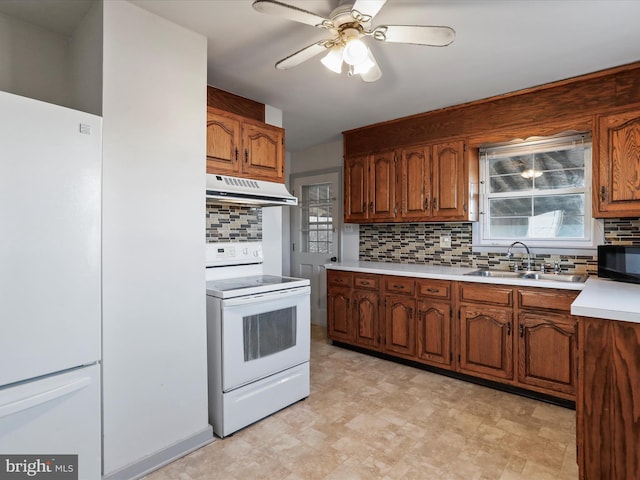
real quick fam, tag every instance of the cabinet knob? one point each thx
(521, 330)
(435, 203)
(236, 153)
(603, 193)
(246, 155)
(433, 290)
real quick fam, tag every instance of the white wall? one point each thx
(85, 63)
(272, 217)
(34, 62)
(154, 321)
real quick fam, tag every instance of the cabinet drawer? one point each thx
(542, 298)
(404, 285)
(434, 288)
(483, 293)
(338, 278)
(368, 282)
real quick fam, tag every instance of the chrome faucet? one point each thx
(509, 255)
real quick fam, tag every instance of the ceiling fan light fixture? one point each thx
(355, 51)
(333, 59)
(365, 65)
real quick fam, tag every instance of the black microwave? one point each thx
(619, 262)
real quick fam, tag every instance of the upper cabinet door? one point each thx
(263, 155)
(382, 178)
(356, 188)
(223, 142)
(449, 196)
(415, 184)
(617, 181)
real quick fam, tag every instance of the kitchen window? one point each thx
(538, 192)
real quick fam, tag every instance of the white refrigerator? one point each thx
(50, 290)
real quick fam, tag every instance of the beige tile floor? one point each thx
(368, 418)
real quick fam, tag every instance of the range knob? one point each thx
(256, 253)
(245, 251)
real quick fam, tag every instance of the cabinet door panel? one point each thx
(434, 332)
(415, 183)
(486, 341)
(618, 191)
(365, 317)
(547, 351)
(339, 320)
(383, 186)
(223, 138)
(263, 151)
(356, 188)
(448, 180)
(400, 332)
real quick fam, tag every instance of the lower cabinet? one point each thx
(608, 404)
(400, 325)
(486, 341)
(339, 319)
(547, 351)
(520, 336)
(366, 318)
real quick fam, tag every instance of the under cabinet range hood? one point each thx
(244, 191)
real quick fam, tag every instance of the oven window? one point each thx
(268, 333)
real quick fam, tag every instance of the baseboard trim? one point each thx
(163, 457)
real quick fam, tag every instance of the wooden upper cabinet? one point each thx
(449, 181)
(245, 148)
(263, 151)
(370, 187)
(419, 183)
(382, 180)
(415, 184)
(223, 142)
(617, 174)
(356, 188)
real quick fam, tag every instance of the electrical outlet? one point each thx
(445, 241)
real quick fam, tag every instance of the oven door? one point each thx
(264, 334)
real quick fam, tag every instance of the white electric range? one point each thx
(258, 335)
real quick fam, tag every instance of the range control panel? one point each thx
(236, 253)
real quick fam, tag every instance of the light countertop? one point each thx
(599, 298)
(445, 273)
(603, 298)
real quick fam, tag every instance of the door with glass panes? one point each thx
(315, 227)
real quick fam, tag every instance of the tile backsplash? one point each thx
(231, 223)
(420, 243)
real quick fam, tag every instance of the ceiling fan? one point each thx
(348, 25)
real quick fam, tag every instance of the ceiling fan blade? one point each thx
(291, 12)
(303, 55)
(374, 73)
(415, 34)
(367, 9)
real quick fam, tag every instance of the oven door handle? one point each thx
(267, 296)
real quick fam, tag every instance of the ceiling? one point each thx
(500, 46)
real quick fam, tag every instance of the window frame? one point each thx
(594, 228)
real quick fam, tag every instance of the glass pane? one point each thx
(510, 165)
(268, 333)
(560, 160)
(511, 207)
(548, 180)
(514, 227)
(317, 218)
(510, 183)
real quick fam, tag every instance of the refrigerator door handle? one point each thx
(43, 397)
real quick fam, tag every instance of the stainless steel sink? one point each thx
(529, 275)
(495, 273)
